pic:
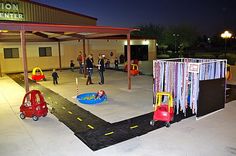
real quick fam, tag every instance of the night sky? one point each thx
(207, 16)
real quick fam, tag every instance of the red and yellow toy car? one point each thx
(134, 70)
(164, 110)
(33, 105)
(37, 74)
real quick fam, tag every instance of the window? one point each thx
(139, 52)
(11, 53)
(45, 51)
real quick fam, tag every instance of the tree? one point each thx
(172, 38)
(187, 35)
(181, 35)
(149, 31)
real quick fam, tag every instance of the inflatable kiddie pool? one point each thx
(91, 98)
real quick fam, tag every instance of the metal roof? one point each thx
(58, 32)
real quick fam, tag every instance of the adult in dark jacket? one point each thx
(55, 76)
(101, 68)
(89, 68)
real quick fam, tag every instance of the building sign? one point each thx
(10, 11)
(193, 67)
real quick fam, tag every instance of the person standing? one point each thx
(55, 76)
(72, 65)
(116, 64)
(101, 68)
(80, 61)
(92, 61)
(89, 68)
(122, 59)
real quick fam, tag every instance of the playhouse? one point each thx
(196, 84)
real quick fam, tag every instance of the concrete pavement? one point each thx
(213, 135)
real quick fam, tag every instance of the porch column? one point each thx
(88, 48)
(0, 68)
(128, 61)
(84, 58)
(24, 59)
(59, 53)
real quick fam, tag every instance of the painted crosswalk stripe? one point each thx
(132, 127)
(110, 133)
(90, 126)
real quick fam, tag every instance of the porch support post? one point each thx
(128, 61)
(24, 59)
(59, 54)
(84, 58)
(0, 68)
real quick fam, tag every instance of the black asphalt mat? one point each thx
(92, 130)
(66, 111)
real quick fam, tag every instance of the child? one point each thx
(107, 64)
(55, 76)
(100, 94)
(72, 65)
(116, 64)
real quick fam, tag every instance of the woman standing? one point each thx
(89, 68)
(101, 68)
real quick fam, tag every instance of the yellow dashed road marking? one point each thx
(70, 112)
(110, 133)
(63, 108)
(136, 126)
(78, 118)
(90, 126)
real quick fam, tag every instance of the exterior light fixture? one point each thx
(3, 31)
(146, 42)
(125, 42)
(226, 35)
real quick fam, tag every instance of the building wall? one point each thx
(33, 59)
(233, 72)
(117, 48)
(16, 10)
(69, 51)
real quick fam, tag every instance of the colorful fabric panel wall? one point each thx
(181, 78)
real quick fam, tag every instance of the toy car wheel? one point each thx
(22, 115)
(35, 118)
(44, 79)
(167, 124)
(152, 122)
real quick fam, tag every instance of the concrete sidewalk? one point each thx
(213, 135)
(121, 104)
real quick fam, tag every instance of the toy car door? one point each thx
(27, 105)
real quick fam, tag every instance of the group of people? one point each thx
(89, 67)
(89, 63)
